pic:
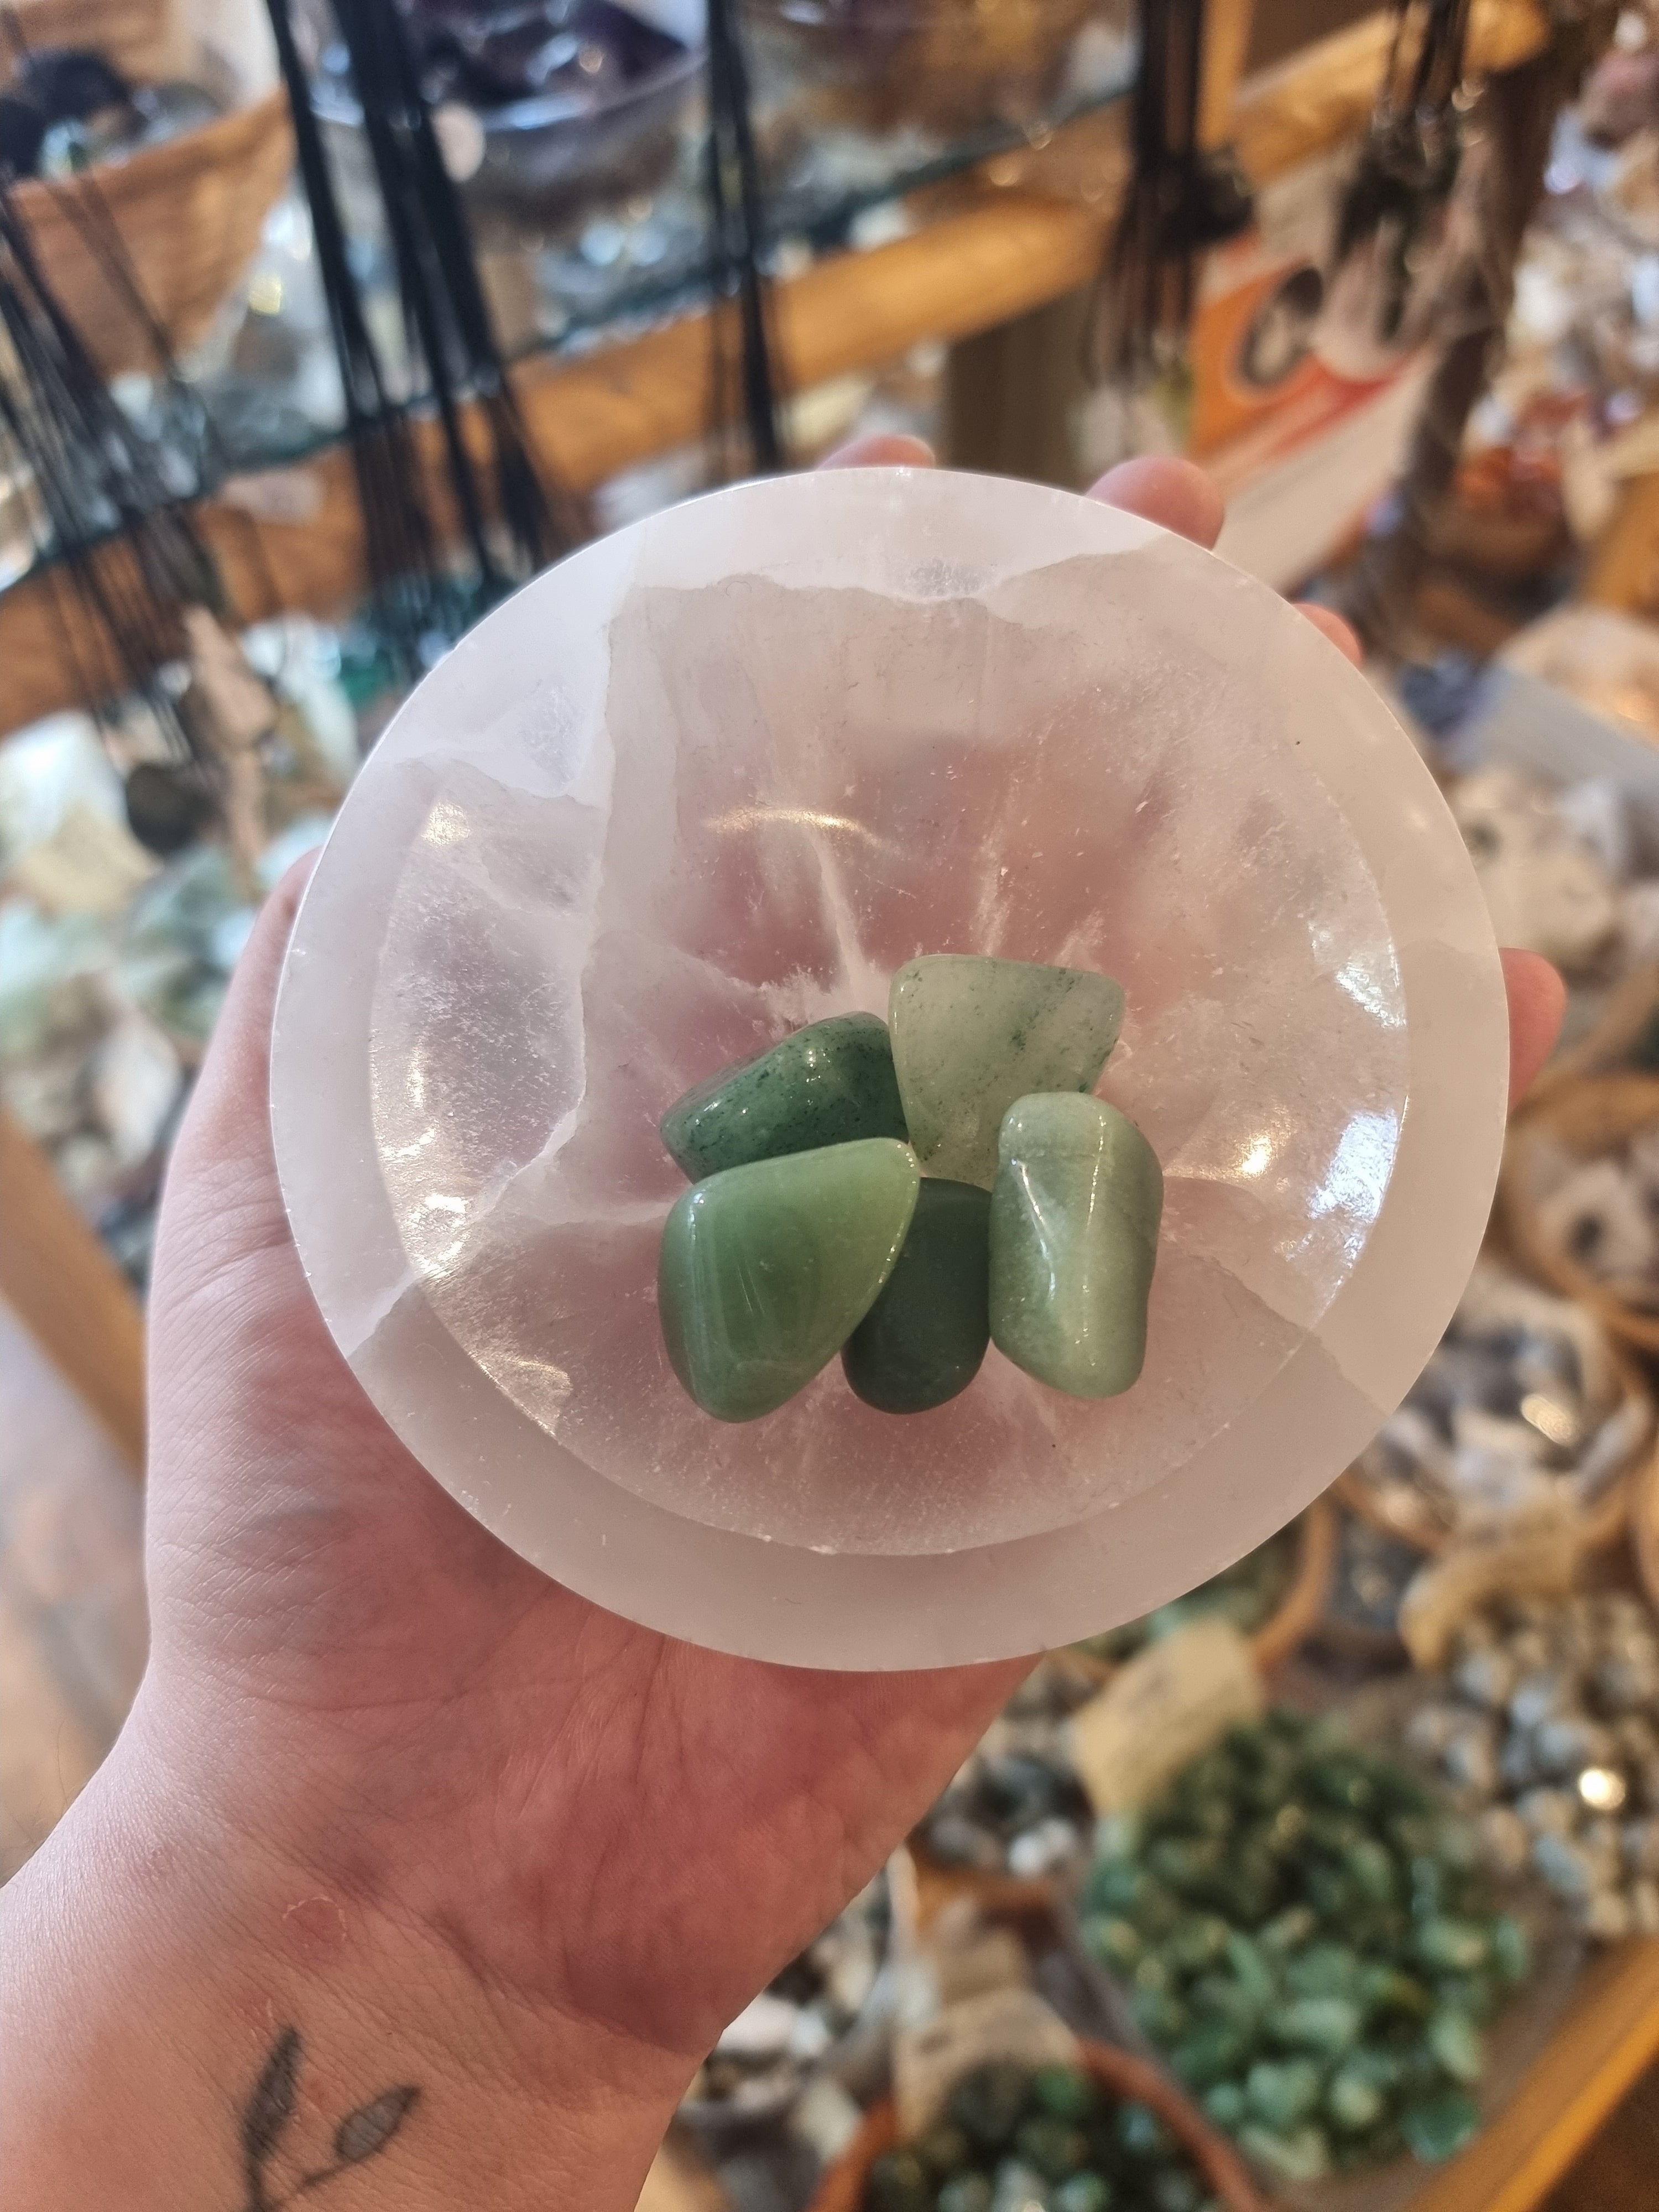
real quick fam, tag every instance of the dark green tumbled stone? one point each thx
(923, 1340)
(1054, 2147)
(1455, 2042)
(831, 1083)
(1299, 2154)
(1437, 2127)
(1065, 2092)
(1078, 2192)
(966, 2192)
(898, 2183)
(766, 1270)
(986, 2104)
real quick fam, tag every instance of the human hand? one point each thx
(540, 1854)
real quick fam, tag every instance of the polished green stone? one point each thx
(924, 1338)
(966, 2192)
(1078, 2192)
(1455, 2042)
(971, 1036)
(831, 1083)
(1281, 2094)
(1354, 2098)
(1296, 2155)
(1439, 2126)
(766, 1270)
(898, 2183)
(1074, 1220)
(1053, 2146)
(1327, 2024)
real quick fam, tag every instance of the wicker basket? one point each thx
(947, 65)
(1119, 2072)
(1625, 1020)
(188, 213)
(1015, 1896)
(1294, 1618)
(1598, 1530)
(1644, 1528)
(1590, 1117)
(144, 39)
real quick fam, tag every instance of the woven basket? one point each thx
(948, 65)
(1598, 1530)
(1590, 1117)
(144, 39)
(1644, 1528)
(1294, 1618)
(1119, 2072)
(1015, 1896)
(1625, 1018)
(188, 212)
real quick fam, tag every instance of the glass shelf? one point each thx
(266, 382)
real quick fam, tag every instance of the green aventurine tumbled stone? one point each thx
(971, 1036)
(766, 1270)
(1439, 2126)
(924, 1338)
(829, 1083)
(1074, 1219)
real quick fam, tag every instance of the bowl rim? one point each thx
(859, 1611)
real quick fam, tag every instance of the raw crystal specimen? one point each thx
(831, 1083)
(767, 1269)
(1074, 1220)
(971, 1035)
(923, 1340)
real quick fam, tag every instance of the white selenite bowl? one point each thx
(720, 775)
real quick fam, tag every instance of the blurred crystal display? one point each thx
(1012, 2136)
(1305, 1929)
(114, 963)
(944, 66)
(1247, 1595)
(1017, 1806)
(63, 109)
(1603, 1215)
(612, 842)
(764, 2059)
(1521, 1418)
(1546, 1725)
(547, 114)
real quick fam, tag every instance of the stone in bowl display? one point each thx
(724, 776)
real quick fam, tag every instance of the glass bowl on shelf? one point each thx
(545, 114)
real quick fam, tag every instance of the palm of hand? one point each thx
(516, 1764)
(600, 1821)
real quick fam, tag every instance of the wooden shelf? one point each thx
(1609, 2037)
(73, 1300)
(997, 257)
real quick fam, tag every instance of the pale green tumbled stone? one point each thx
(766, 1270)
(971, 1036)
(1074, 1220)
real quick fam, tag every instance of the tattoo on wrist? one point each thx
(270, 2109)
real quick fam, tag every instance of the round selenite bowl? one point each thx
(718, 775)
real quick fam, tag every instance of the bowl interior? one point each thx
(721, 775)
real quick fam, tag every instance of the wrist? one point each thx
(260, 2022)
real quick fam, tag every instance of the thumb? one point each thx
(221, 1198)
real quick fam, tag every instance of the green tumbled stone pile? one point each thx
(1054, 2138)
(906, 1192)
(1304, 1930)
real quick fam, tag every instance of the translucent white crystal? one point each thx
(723, 773)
